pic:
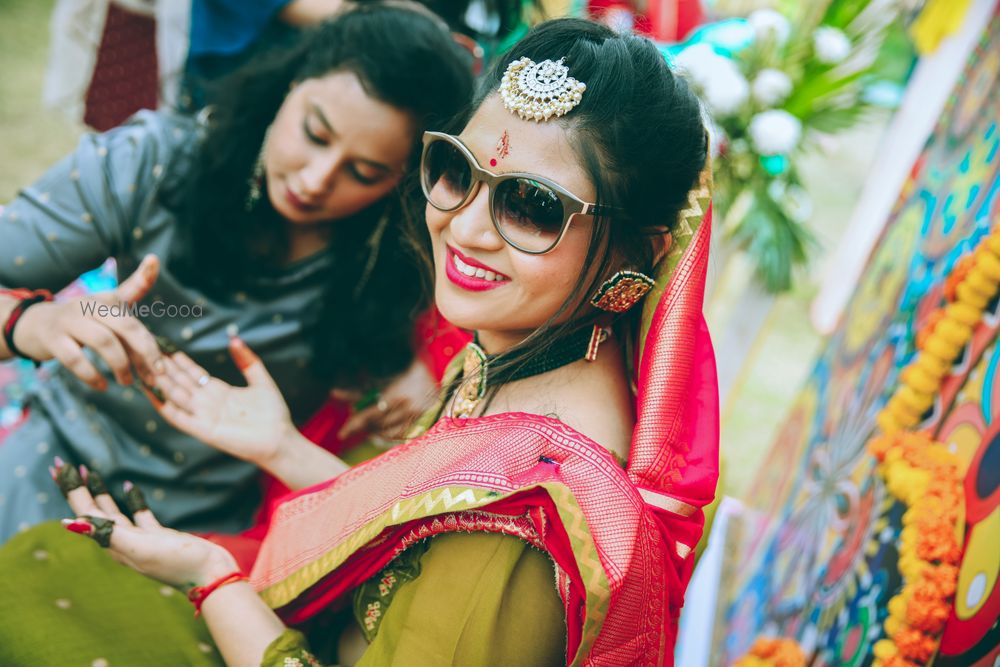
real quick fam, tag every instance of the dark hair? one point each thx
(403, 56)
(639, 134)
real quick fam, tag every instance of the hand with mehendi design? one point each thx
(250, 423)
(141, 543)
(60, 330)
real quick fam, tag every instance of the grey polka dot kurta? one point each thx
(105, 200)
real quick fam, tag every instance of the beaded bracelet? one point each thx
(28, 299)
(198, 594)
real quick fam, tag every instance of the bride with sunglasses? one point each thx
(549, 512)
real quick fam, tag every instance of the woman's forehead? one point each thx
(502, 142)
(342, 101)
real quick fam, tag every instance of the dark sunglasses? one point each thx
(530, 212)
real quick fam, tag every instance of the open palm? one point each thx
(246, 422)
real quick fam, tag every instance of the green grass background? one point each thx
(31, 138)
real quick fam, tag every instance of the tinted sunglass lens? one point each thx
(446, 175)
(529, 213)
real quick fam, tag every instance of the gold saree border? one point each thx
(455, 499)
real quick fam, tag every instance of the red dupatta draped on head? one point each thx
(621, 541)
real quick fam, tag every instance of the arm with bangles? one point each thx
(242, 625)
(37, 328)
(84, 209)
(7, 304)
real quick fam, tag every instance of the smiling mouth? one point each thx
(468, 274)
(475, 271)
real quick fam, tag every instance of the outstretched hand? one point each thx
(250, 423)
(178, 559)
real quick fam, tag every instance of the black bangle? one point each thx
(15, 315)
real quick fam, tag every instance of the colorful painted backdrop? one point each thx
(816, 559)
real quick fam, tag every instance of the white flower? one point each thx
(698, 61)
(722, 86)
(726, 93)
(775, 132)
(831, 45)
(771, 87)
(770, 23)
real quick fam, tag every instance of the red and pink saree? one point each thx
(621, 540)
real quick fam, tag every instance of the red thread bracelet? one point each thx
(198, 594)
(28, 299)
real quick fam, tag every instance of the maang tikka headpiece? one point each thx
(539, 91)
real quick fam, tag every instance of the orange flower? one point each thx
(957, 275)
(933, 318)
(944, 576)
(937, 543)
(915, 645)
(899, 661)
(879, 445)
(928, 616)
(768, 652)
(923, 474)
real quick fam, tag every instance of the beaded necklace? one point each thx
(475, 372)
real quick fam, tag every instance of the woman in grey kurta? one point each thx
(117, 196)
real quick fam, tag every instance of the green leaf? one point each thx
(805, 97)
(835, 119)
(841, 13)
(775, 243)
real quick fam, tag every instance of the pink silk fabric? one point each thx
(621, 541)
(436, 341)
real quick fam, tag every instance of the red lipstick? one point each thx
(473, 283)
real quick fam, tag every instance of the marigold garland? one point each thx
(767, 652)
(970, 286)
(923, 475)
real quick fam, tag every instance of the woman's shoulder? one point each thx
(162, 137)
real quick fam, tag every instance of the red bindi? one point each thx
(493, 162)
